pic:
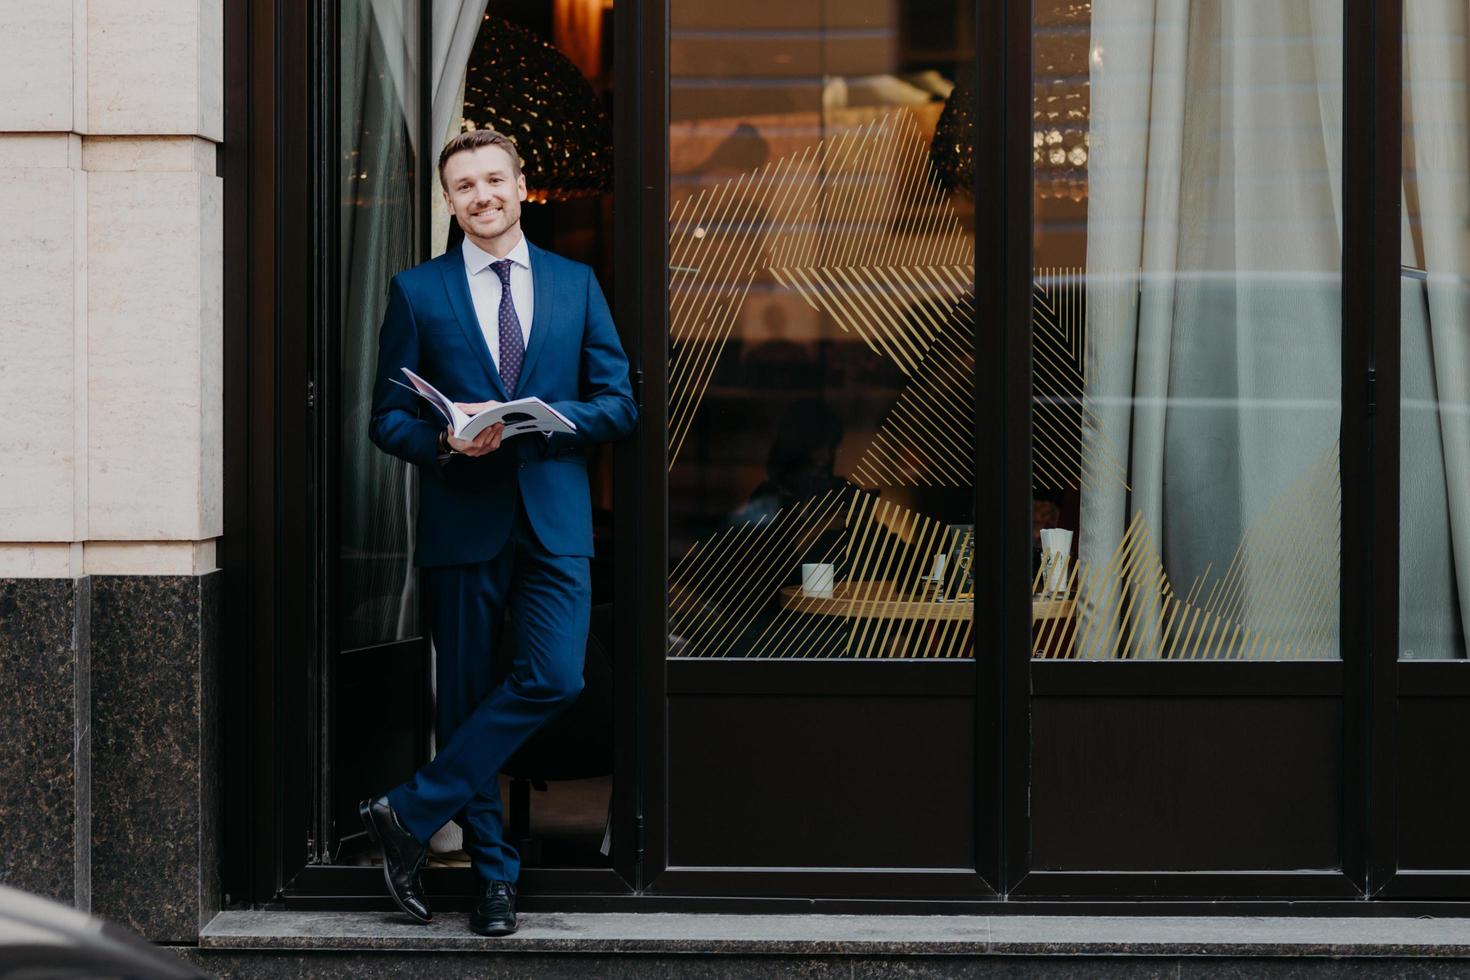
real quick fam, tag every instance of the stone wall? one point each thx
(111, 408)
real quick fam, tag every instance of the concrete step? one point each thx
(377, 944)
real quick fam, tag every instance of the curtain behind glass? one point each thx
(1434, 537)
(1214, 320)
(376, 595)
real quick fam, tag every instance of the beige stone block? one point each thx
(40, 560)
(154, 329)
(36, 65)
(79, 66)
(155, 68)
(39, 267)
(156, 153)
(211, 356)
(149, 557)
(212, 70)
(79, 351)
(40, 150)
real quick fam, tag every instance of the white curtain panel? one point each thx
(1213, 263)
(452, 34)
(396, 24)
(1434, 543)
(454, 26)
(456, 22)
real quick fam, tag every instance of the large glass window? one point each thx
(1187, 329)
(821, 324)
(1434, 526)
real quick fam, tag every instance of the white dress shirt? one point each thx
(485, 291)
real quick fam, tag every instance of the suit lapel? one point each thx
(541, 316)
(456, 283)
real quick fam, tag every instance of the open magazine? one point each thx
(520, 416)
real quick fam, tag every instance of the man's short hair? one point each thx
(473, 140)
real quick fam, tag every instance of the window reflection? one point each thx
(1187, 329)
(1434, 526)
(821, 332)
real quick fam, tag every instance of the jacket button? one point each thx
(521, 464)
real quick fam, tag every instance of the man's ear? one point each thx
(521, 187)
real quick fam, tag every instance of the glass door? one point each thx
(1424, 741)
(822, 726)
(1189, 733)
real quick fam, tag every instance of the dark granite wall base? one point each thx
(229, 964)
(45, 768)
(155, 785)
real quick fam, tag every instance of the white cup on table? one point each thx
(817, 579)
(1056, 550)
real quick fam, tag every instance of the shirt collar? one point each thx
(477, 259)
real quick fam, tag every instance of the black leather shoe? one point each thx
(403, 856)
(495, 913)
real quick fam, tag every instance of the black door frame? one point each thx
(280, 213)
(269, 303)
(274, 209)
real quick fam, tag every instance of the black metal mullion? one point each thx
(246, 825)
(1376, 259)
(650, 446)
(1187, 678)
(1142, 886)
(296, 314)
(632, 482)
(1003, 202)
(325, 400)
(989, 644)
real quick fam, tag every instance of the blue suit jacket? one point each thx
(574, 361)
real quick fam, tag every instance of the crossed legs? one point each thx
(481, 721)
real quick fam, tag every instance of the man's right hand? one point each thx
(482, 444)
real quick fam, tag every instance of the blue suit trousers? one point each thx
(480, 724)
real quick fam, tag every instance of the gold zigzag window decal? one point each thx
(1070, 447)
(1277, 600)
(858, 225)
(735, 593)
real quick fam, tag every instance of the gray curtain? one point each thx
(377, 241)
(381, 84)
(1213, 262)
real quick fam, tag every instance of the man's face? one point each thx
(482, 190)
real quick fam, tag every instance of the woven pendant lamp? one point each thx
(953, 148)
(518, 84)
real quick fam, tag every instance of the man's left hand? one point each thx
(486, 442)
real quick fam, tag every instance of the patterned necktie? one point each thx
(512, 347)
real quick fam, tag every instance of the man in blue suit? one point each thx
(502, 527)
